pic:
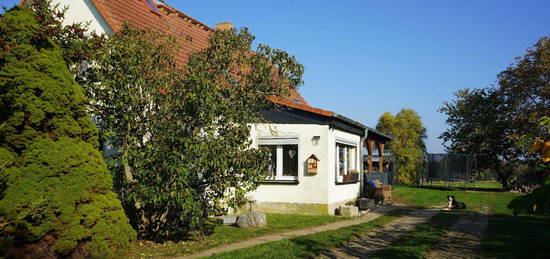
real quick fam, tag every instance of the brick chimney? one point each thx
(224, 26)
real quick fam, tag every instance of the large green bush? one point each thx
(58, 198)
(189, 156)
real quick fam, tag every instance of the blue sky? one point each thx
(363, 58)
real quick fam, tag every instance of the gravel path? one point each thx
(381, 237)
(463, 240)
(294, 233)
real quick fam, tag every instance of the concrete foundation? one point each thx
(298, 208)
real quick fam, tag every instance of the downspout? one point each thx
(362, 165)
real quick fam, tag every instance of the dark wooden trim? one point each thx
(286, 115)
(344, 183)
(287, 182)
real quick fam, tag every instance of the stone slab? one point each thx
(349, 211)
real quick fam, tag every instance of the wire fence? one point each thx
(448, 168)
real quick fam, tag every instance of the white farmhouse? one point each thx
(316, 163)
(316, 155)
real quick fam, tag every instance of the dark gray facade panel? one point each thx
(295, 116)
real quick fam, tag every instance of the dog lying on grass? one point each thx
(453, 204)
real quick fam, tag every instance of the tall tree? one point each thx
(58, 198)
(477, 126)
(183, 132)
(408, 142)
(525, 91)
(489, 122)
(538, 201)
(526, 88)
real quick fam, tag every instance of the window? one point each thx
(345, 161)
(152, 7)
(284, 161)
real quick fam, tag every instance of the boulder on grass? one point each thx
(349, 211)
(227, 220)
(254, 219)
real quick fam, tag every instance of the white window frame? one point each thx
(279, 142)
(348, 144)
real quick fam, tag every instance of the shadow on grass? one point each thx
(319, 243)
(517, 237)
(421, 239)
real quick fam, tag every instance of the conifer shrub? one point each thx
(56, 197)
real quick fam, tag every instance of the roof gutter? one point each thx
(360, 125)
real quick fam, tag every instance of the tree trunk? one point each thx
(128, 173)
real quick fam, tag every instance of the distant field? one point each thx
(488, 202)
(480, 184)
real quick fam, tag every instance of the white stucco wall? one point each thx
(314, 189)
(342, 192)
(84, 11)
(311, 188)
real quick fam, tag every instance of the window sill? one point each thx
(342, 183)
(280, 182)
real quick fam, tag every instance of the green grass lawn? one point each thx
(310, 245)
(229, 234)
(507, 236)
(420, 240)
(517, 237)
(488, 202)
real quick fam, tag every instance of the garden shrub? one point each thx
(189, 157)
(536, 202)
(58, 199)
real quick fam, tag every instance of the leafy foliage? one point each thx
(491, 122)
(408, 142)
(182, 133)
(477, 126)
(57, 199)
(75, 43)
(525, 90)
(536, 202)
(540, 145)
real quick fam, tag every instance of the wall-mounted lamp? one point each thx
(315, 140)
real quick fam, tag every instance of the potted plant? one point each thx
(354, 176)
(347, 178)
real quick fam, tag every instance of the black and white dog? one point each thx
(453, 204)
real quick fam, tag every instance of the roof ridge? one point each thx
(181, 14)
(191, 34)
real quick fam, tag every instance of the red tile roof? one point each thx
(191, 34)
